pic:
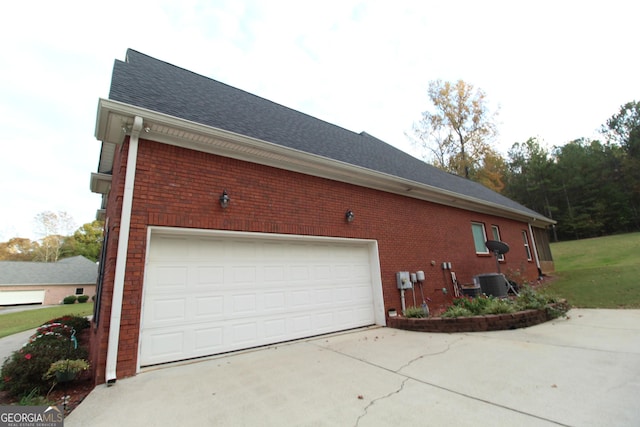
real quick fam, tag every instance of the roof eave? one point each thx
(115, 118)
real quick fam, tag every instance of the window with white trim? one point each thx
(525, 240)
(479, 237)
(496, 236)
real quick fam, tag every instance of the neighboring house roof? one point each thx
(77, 270)
(157, 86)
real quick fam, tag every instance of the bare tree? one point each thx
(458, 131)
(53, 227)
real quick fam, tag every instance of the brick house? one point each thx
(46, 283)
(233, 222)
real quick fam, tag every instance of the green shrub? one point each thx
(477, 306)
(71, 299)
(528, 299)
(415, 312)
(22, 372)
(457, 311)
(78, 323)
(500, 306)
(83, 298)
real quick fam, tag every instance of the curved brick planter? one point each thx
(491, 322)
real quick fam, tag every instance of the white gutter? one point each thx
(121, 259)
(195, 136)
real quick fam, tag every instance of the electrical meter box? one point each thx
(403, 279)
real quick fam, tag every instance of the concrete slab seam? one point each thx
(407, 377)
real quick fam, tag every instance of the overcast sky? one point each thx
(555, 69)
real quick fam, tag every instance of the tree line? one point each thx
(57, 242)
(590, 187)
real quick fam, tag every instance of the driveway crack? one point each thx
(373, 402)
(428, 354)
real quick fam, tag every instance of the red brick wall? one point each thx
(178, 187)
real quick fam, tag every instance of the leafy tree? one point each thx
(457, 132)
(86, 241)
(18, 249)
(623, 129)
(492, 172)
(530, 176)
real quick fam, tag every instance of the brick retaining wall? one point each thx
(492, 322)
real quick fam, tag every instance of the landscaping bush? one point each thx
(500, 306)
(457, 311)
(71, 299)
(23, 371)
(528, 299)
(476, 306)
(83, 298)
(78, 323)
(415, 312)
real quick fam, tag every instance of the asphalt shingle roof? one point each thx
(75, 270)
(152, 84)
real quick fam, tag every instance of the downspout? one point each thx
(535, 251)
(121, 259)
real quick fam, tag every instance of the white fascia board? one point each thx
(114, 115)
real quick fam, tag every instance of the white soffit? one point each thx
(115, 118)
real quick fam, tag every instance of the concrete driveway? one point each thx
(581, 371)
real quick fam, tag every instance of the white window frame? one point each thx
(474, 226)
(527, 248)
(496, 236)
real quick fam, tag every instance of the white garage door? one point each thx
(21, 297)
(209, 295)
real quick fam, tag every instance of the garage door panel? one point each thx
(208, 306)
(323, 296)
(165, 345)
(171, 277)
(243, 274)
(244, 303)
(207, 339)
(274, 301)
(273, 273)
(299, 272)
(241, 333)
(207, 248)
(210, 275)
(275, 328)
(169, 310)
(232, 293)
(168, 248)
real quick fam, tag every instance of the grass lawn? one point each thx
(603, 272)
(11, 323)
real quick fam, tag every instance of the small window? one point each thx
(525, 240)
(479, 237)
(496, 236)
(79, 291)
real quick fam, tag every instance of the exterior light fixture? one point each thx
(224, 199)
(349, 215)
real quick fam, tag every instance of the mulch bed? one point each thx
(75, 391)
